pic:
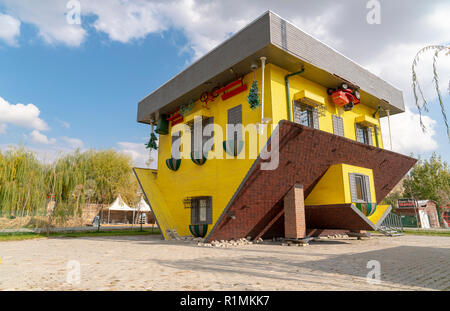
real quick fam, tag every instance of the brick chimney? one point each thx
(294, 213)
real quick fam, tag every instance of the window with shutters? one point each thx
(235, 119)
(338, 125)
(360, 188)
(200, 140)
(306, 115)
(201, 211)
(363, 134)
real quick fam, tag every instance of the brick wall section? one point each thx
(431, 210)
(336, 216)
(294, 213)
(305, 156)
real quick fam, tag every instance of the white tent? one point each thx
(120, 205)
(142, 206)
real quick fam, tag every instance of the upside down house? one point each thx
(304, 153)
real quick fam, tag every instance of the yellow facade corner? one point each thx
(366, 120)
(309, 98)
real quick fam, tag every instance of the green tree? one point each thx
(428, 180)
(74, 179)
(391, 198)
(23, 189)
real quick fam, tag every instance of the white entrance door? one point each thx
(424, 220)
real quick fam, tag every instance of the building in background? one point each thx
(446, 215)
(418, 214)
(309, 156)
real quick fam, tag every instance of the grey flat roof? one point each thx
(284, 45)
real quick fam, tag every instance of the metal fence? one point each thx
(392, 225)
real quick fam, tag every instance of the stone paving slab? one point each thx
(148, 263)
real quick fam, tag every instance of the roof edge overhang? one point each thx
(284, 45)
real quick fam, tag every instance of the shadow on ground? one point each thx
(411, 266)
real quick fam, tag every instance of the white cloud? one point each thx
(394, 65)
(139, 154)
(319, 26)
(386, 49)
(74, 143)
(125, 20)
(63, 123)
(21, 115)
(63, 143)
(39, 138)
(45, 153)
(205, 24)
(439, 19)
(407, 135)
(9, 29)
(49, 18)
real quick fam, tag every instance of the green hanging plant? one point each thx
(152, 142)
(253, 97)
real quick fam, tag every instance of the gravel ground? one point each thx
(148, 263)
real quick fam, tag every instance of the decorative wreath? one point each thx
(186, 109)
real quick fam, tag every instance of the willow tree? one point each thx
(23, 189)
(94, 176)
(421, 101)
(66, 179)
(73, 180)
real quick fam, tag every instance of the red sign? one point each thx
(175, 118)
(406, 203)
(228, 91)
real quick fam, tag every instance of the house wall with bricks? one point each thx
(220, 178)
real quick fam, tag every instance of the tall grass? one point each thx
(26, 184)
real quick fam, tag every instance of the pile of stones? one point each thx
(336, 236)
(173, 235)
(230, 243)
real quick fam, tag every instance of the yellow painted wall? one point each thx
(162, 212)
(298, 83)
(330, 189)
(220, 178)
(334, 186)
(379, 212)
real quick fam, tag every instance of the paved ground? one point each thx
(147, 263)
(107, 227)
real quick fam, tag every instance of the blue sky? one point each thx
(79, 85)
(94, 88)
